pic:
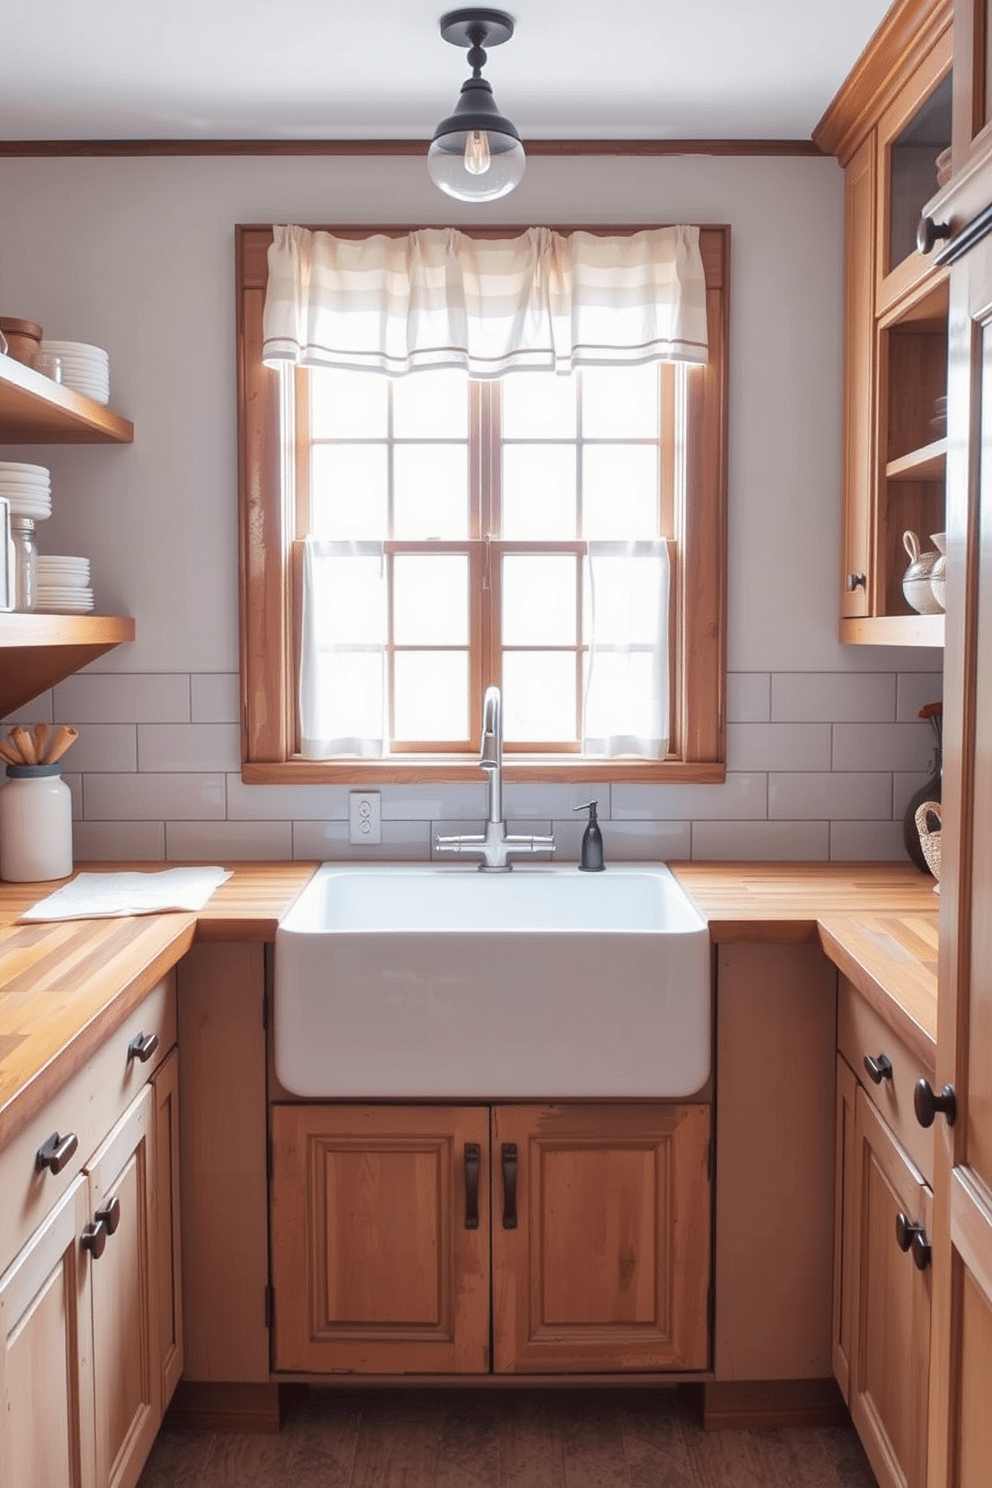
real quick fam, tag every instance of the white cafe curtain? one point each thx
(343, 650)
(542, 301)
(626, 705)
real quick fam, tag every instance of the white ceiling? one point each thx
(326, 69)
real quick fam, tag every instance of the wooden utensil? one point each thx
(24, 744)
(40, 734)
(9, 753)
(65, 736)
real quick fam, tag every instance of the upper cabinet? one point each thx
(889, 124)
(40, 649)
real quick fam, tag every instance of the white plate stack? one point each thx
(85, 369)
(28, 488)
(64, 585)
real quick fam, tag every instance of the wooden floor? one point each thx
(525, 1439)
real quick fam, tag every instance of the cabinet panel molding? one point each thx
(607, 1266)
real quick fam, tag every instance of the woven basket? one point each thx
(929, 839)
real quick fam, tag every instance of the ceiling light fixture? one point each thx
(476, 154)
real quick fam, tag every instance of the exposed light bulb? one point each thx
(477, 156)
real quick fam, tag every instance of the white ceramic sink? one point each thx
(442, 982)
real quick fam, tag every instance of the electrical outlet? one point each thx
(364, 818)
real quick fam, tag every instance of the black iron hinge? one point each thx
(270, 1306)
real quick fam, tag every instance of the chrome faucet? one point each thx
(493, 846)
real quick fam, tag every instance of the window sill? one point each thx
(553, 771)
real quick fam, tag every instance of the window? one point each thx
(468, 561)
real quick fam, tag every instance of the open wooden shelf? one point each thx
(894, 630)
(35, 410)
(36, 651)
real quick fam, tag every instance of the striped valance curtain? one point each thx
(540, 301)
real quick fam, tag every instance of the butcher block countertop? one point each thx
(66, 985)
(876, 921)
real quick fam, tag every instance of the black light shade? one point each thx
(476, 154)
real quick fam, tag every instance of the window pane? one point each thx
(627, 601)
(430, 484)
(349, 489)
(430, 600)
(539, 601)
(430, 405)
(620, 491)
(348, 405)
(351, 692)
(349, 606)
(539, 491)
(621, 402)
(539, 696)
(624, 689)
(430, 699)
(538, 405)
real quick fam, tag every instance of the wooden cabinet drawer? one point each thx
(861, 1034)
(87, 1106)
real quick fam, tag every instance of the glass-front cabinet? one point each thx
(891, 127)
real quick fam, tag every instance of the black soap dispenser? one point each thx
(591, 854)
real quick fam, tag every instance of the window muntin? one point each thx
(484, 508)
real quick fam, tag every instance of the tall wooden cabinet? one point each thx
(888, 125)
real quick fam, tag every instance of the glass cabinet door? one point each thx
(913, 135)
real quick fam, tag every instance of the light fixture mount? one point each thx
(475, 27)
(476, 154)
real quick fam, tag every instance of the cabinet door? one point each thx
(914, 129)
(46, 1381)
(168, 1239)
(960, 1419)
(845, 1228)
(859, 378)
(890, 1363)
(601, 1237)
(380, 1238)
(126, 1370)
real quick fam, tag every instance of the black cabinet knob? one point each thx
(930, 233)
(927, 1105)
(878, 1067)
(109, 1214)
(856, 581)
(922, 1254)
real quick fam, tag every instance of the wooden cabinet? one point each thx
(888, 125)
(39, 650)
(890, 1285)
(588, 1224)
(883, 1244)
(88, 1354)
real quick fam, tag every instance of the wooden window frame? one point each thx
(268, 576)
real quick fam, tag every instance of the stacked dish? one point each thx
(64, 584)
(85, 369)
(28, 488)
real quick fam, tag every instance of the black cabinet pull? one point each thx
(472, 1162)
(109, 1214)
(94, 1238)
(508, 1163)
(927, 1105)
(879, 1068)
(142, 1046)
(922, 1254)
(56, 1152)
(856, 581)
(906, 1231)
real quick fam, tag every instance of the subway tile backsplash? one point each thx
(820, 765)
